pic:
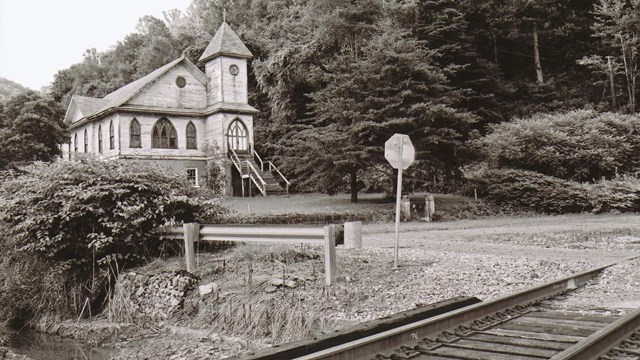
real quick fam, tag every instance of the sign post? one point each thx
(399, 151)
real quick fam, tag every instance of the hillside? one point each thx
(10, 88)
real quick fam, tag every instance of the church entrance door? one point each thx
(237, 137)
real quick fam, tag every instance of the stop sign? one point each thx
(397, 148)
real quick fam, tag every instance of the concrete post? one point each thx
(191, 234)
(405, 208)
(429, 207)
(353, 235)
(329, 255)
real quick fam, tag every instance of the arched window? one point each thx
(75, 142)
(100, 139)
(86, 141)
(164, 135)
(134, 134)
(112, 140)
(191, 136)
(237, 137)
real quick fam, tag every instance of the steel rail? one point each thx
(369, 346)
(603, 340)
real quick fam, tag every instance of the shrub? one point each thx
(579, 145)
(527, 190)
(84, 217)
(620, 194)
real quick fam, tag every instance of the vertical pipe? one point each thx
(398, 195)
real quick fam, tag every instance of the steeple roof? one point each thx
(225, 42)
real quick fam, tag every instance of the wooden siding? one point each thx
(224, 87)
(165, 93)
(146, 129)
(212, 69)
(77, 115)
(218, 124)
(234, 88)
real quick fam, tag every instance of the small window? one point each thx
(164, 135)
(191, 136)
(100, 139)
(86, 141)
(181, 82)
(134, 132)
(112, 139)
(75, 143)
(234, 70)
(192, 176)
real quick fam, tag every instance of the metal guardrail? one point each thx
(319, 235)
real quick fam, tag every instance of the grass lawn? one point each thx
(446, 204)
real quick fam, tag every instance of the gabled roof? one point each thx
(126, 92)
(91, 106)
(225, 42)
(88, 105)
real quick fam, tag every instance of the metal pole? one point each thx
(398, 196)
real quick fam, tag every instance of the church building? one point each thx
(177, 115)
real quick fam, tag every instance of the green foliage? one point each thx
(31, 129)
(527, 190)
(620, 194)
(88, 216)
(579, 145)
(216, 163)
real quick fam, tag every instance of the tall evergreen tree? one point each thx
(395, 86)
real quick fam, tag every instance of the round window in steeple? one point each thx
(234, 70)
(181, 82)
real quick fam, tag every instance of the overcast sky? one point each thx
(40, 37)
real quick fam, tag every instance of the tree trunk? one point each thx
(495, 47)
(536, 55)
(354, 186)
(613, 88)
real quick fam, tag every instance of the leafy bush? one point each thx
(527, 190)
(84, 217)
(620, 194)
(579, 145)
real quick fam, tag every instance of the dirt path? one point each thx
(563, 236)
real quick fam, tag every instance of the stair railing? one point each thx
(273, 167)
(253, 175)
(254, 153)
(236, 161)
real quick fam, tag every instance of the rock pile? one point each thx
(154, 296)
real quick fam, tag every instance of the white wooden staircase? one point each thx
(264, 175)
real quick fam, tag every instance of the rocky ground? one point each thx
(265, 295)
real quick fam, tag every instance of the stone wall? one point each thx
(154, 296)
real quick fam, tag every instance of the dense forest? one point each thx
(334, 79)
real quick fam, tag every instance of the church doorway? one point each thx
(237, 137)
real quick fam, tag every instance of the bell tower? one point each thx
(229, 117)
(225, 60)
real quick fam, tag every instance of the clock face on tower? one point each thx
(234, 70)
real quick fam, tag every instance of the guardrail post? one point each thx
(329, 254)
(191, 234)
(353, 235)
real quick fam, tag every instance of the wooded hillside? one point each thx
(9, 88)
(335, 79)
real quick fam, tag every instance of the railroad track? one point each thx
(533, 324)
